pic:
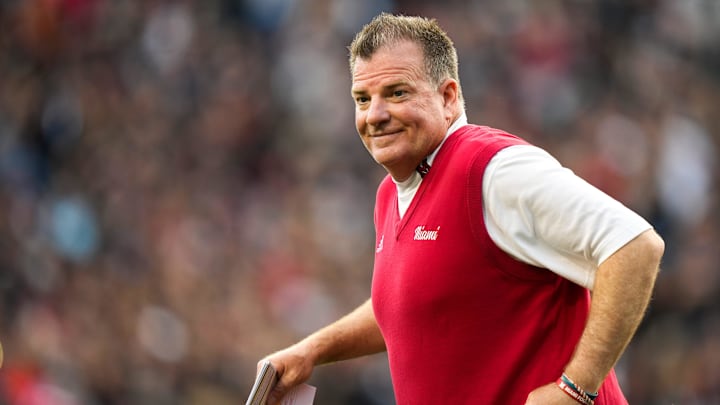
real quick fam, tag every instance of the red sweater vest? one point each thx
(463, 322)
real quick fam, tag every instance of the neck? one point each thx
(402, 172)
(400, 175)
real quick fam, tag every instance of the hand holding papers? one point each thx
(264, 382)
(266, 379)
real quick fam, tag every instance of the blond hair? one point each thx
(439, 52)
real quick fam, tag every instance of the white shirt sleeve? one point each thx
(543, 214)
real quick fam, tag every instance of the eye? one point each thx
(361, 99)
(399, 93)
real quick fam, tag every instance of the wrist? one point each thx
(584, 378)
(575, 391)
(310, 350)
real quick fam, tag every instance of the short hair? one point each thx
(439, 52)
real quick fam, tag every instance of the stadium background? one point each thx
(182, 190)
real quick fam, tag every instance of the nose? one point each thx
(377, 113)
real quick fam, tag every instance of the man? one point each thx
(486, 248)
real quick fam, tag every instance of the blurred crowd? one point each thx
(182, 189)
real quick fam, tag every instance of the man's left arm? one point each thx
(623, 286)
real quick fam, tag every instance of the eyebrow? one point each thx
(391, 86)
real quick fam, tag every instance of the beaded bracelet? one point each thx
(580, 397)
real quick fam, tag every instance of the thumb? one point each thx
(266, 366)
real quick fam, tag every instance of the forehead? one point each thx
(403, 61)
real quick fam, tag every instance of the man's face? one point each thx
(400, 115)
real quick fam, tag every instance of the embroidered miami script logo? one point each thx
(426, 234)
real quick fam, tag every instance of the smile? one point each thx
(381, 134)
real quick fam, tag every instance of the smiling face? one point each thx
(400, 114)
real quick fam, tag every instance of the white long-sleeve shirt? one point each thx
(541, 213)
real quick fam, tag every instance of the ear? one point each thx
(450, 90)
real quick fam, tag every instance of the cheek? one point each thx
(359, 122)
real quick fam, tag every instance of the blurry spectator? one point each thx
(168, 212)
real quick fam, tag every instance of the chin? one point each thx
(387, 160)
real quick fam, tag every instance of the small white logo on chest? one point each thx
(426, 234)
(380, 245)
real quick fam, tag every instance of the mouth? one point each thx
(384, 133)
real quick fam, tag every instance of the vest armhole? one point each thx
(475, 207)
(474, 187)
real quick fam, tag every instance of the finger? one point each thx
(277, 393)
(262, 363)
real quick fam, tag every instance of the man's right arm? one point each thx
(355, 335)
